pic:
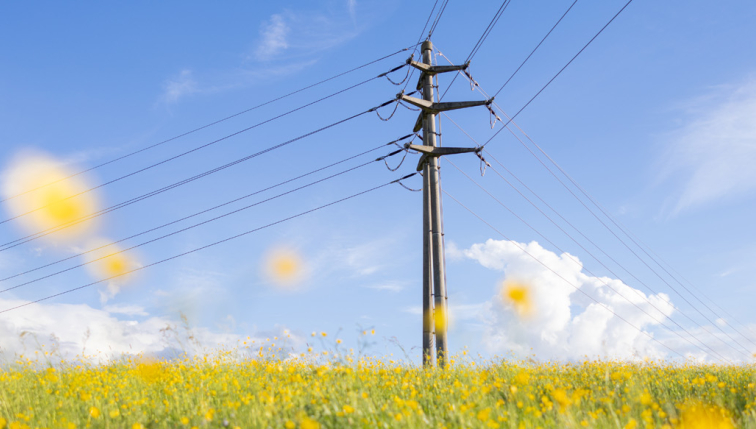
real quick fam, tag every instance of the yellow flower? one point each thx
(698, 415)
(184, 420)
(308, 423)
(518, 295)
(290, 424)
(137, 426)
(3, 423)
(114, 413)
(94, 412)
(347, 409)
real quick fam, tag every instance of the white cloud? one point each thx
(565, 324)
(352, 7)
(179, 87)
(73, 330)
(274, 38)
(391, 286)
(716, 148)
(294, 34)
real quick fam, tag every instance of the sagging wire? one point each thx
(404, 148)
(406, 76)
(398, 102)
(399, 181)
(400, 162)
(396, 106)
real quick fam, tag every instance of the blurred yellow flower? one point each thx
(49, 196)
(283, 266)
(518, 295)
(94, 412)
(698, 415)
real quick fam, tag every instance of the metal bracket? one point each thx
(429, 70)
(430, 151)
(434, 108)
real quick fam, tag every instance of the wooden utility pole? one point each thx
(434, 270)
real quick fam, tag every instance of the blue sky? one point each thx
(653, 119)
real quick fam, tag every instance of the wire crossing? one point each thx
(48, 231)
(212, 123)
(208, 245)
(204, 145)
(215, 207)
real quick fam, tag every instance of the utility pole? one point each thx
(434, 271)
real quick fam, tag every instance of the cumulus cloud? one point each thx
(716, 147)
(564, 323)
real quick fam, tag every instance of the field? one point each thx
(330, 391)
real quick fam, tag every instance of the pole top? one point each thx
(427, 46)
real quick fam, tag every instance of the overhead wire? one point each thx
(490, 155)
(560, 71)
(205, 246)
(31, 237)
(480, 41)
(601, 279)
(536, 48)
(172, 158)
(511, 119)
(213, 219)
(419, 41)
(524, 250)
(213, 208)
(438, 18)
(209, 124)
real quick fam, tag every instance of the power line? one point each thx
(419, 40)
(48, 231)
(488, 154)
(172, 158)
(208, 245)
(562, 277)
(214, 218)
(480, 41)
(438, 18)
(488, 30)
(590, 272)
(209, 125)
(536, 48)
(511, 120)
(559, 72)
(212, 208)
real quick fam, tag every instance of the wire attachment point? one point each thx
(483, 162)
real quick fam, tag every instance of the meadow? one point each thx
(335, 390)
